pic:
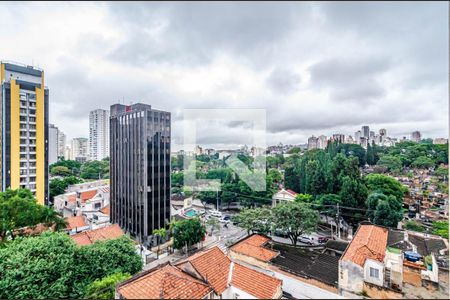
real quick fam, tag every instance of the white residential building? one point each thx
(80, 149)
(56, 143)
(98, 134)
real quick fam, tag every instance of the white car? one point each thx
(222, 220)
(215, 213)
(306, 240)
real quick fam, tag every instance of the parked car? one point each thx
(227, 217)
(306, 239)
(201, 211)
(280, 233)
(322, 239)
(215, 213)
(223, 220)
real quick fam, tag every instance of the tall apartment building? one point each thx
(56, 144)
(322, 142)
(365, 131)
(80, 149)
(416, 136)
(98, 134)
(24, 130)
(312, 142)
(140, 169)
(340, 138)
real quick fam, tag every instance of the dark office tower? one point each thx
(140, 169)
(366, 131)
(24, 130)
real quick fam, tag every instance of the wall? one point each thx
(377, 292)
(248, 259)
(351, 277)
(370, 263)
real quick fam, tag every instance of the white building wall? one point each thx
(99, 134)
(370, 263)
(52, 144)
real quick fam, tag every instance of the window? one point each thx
(374, 273)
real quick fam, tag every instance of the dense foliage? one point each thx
(19, 209)
(187, 233)
(105, 288)
(58, 186)
(52, 266)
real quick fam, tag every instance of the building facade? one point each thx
(98, 134)
(365, 131)
(24, 130)
(312, 142)
(416, 136)
(80, 149)
(56, 144)
(140, 169)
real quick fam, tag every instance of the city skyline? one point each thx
(262, 61)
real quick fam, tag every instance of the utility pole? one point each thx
(217, 199)
(338, 224)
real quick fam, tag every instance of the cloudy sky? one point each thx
(316, 67)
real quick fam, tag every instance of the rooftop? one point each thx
(369, 242)
(75, 222)
(165, 282)
(91, 236)
(253, 246)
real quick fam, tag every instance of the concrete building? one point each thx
(98, 134)
(416, 136)
(68, 153)
(80, 149)
(282, 196)
(312, 142)
(140, 169)
(358, 136)
(322, 142)
(365, 131)
(56, 144)
(24, 130)
(339, 137)
(440, 141)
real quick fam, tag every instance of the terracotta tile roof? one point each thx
(258, 284)
(167, 282)
(87, 195)
(72, 198)
(292, 192)
(253, 246)
(91, 236)
(106, 210)
(213, 265)
(75, 222)
(369, 242)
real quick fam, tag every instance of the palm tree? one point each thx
(160, 233)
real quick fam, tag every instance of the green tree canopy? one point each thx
(423, 162)
(73, 166)
(295, 218)
(257, 220)
(59, 186)
(19, 209)
(187, 232)
(386, 185)
(60, 171)
(105, 288)
(95, 169)
(384, 210)
(391, 163)
(52, 266)
(305, 198)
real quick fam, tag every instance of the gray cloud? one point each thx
(316, 67)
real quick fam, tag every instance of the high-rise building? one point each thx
(312, 142)
(98, 134)
(383, 132)
(416, 136)
(358, 136)
(322, 141)
(24, 130)
(440, 141)
(365, 131)
(56, 144)
(80, 149)
(340, 138)
(140, 169)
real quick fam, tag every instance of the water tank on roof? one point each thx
(412, 256)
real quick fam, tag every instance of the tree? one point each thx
(294, 150)
(187, 233)
(441, 172)
(105, 288)
(353, 192)
(95, 169)
(306, 198)
(19, 209)
(423, 162)
(214, 223)
(295, 218)
(384, 210)
(51, 265)
(386, 185)
(391, 163)
(60, 171)
(160, 234)
(58, 186)
(414, 226)
(73, 165)
(255, 220)
(441, 228)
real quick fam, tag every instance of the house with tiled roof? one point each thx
(76, 224)
(91, 236)
(205, 275)
(389, 263)
(283, 195)
(252, 250)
